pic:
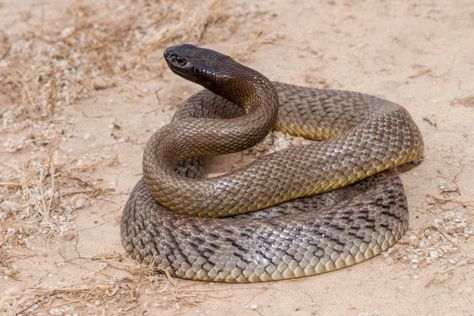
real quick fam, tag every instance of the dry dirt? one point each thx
(83, 86)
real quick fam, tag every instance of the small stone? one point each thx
(80, 202)
(11, 231)
(469, 231)
(67, 32)
(56, 311)
(253, 306)
(424, 243)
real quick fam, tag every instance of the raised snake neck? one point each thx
(363, 135)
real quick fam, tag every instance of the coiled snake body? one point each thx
(295, 232)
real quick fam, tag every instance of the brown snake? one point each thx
(356, 137)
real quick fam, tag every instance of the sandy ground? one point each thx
(83, 87)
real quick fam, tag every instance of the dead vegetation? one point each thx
(39, 198)
(439, 243)
(88, 47)
(117, 285)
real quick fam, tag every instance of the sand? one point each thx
(83, 86)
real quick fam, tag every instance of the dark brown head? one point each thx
(200, 65)
(213, 70)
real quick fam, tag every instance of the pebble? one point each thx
(103, 265)
(56, 311)
(434, 254)
(67, 32)
(424, 243)
(80, 202)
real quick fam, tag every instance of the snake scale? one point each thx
(296, 212)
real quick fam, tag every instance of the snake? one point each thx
(300, 211)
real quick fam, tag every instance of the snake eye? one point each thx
(175, 59)
(178, 60)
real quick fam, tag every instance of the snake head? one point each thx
(212, 70)
(200, 65)
(216, 72)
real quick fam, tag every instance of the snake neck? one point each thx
(207, 136)
(245, 87)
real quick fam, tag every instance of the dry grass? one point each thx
(52, 64)
(87, 48)
(116, 285)
(40, 196)
(439, 243)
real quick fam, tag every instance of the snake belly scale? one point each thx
(297, 212)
